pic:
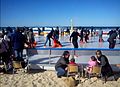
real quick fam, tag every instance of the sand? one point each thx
(49, 79)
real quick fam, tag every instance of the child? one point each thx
(92, 62)
(72, 61)
(56, 43)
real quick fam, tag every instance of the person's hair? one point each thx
(72, 60)
(99, 51)
(65, 53)
(93, 58)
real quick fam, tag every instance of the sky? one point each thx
(59, 12)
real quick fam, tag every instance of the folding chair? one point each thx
(17, 65)
(96, 71)
(73, 71)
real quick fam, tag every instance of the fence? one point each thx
(82, 55)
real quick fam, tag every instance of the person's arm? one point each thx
(62, 61)
(103, 62)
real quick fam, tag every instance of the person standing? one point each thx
(31, 38)
(87, 35)
(74, 37)
(82, 35)
(62, 64)
(100, 33)
(18, 40)
(48, 38)
(4, 47)
(112, 39)
(39, 31)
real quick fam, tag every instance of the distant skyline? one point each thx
(59, 12)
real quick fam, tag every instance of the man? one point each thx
(100, 33)
(48, 38)
(61, 65)
(74, 37)
(112, 39)
(18, 41)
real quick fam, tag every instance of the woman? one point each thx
(106, 69)
(61, 65)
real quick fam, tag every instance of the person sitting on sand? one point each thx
(62, 63)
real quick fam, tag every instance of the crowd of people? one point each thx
(12, 44)
(84, 35)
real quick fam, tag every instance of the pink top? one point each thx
(92, 63)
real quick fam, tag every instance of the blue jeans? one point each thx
(60, 71)
(47, 39)
(18, 54)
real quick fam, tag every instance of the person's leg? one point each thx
(86, 38)
(81, 39)
(60, 72)
(49, 41)
(113, 46)
(110, 45)
(46, 41)
(75, 44)
(19, 54)
(16, 54)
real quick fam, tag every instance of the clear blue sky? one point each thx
(59, 12)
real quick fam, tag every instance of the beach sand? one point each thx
(49, 79)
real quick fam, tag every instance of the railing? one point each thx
(51, 53)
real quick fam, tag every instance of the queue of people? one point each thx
(99, 60)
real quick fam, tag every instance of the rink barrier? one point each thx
(107, 49)
(50, 52)
(79, 51)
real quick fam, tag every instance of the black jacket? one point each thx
(75, 36)
(106, 69)
(112, 37)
